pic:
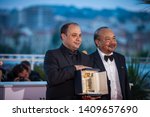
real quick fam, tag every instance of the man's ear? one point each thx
(97, 43)
(63, 36)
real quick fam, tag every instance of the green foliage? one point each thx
(143, 54)
(140, 80)
(39, 69)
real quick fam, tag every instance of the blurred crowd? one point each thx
(20, 72)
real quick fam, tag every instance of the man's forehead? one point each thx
(106, 32)
(74, 29)
(72, 26)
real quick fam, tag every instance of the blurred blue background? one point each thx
(32, 27)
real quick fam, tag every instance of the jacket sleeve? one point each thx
(56, 74)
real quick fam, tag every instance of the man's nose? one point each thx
(78, 37)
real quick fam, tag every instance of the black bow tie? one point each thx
(108, 57)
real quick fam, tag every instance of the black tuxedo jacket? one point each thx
(60, 73)
(122, 72)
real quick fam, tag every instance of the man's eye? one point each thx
(107, 39)
(74, 35)
(114, 38)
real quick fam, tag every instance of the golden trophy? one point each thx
(91, 82)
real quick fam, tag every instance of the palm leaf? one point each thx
(140, 80)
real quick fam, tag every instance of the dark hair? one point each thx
(96, 35)
(64, 28)
(18, 69)
(27, 63)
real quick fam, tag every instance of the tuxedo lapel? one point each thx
(98, 61)
(117, 62)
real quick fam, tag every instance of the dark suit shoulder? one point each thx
(94, 54)
(52, 51)
(119, 55)
(52, 56)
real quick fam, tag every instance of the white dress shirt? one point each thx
(112, 74)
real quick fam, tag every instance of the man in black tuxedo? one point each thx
(112, 62)
(61, 64)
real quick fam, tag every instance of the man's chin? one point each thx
(111, 50)
(77, 47)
